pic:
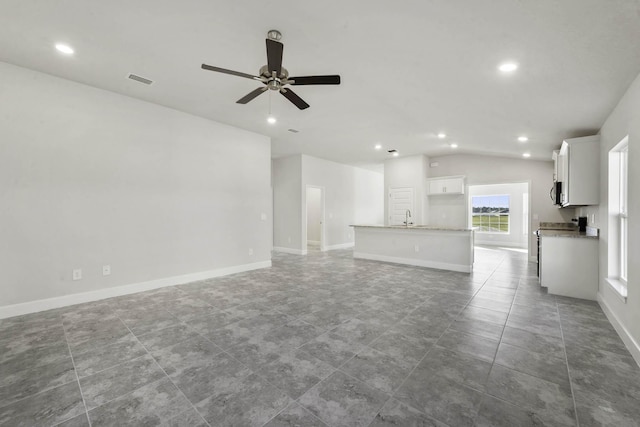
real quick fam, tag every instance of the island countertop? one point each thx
(445, 248)
(413, 227)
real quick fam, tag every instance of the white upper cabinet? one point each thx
(579, 171)
(445, 185)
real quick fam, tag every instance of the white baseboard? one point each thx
(631, 344)
(339, 246)
(417, 262)
(313, 242)
(290, 250)
(79, 298)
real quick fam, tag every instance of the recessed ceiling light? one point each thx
(526, 154)
(454, 145)
(442, 135)
(396, 154)
(378, 147)
(64, 48)
(271, 120)
(508, 67)
(523, 138)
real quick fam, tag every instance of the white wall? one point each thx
(314, 206)
(352, 195)
(623, 121)
(287, 203)
(411, 172)
(516, 236)
(89, 177)
(497, 170)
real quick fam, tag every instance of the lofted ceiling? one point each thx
(410, 69)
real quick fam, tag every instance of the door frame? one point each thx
(530, 230)
(323, 246)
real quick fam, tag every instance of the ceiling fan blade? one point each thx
(295, 99)
(274, 56)
(233, 73)
(254, 93)
(315, 80)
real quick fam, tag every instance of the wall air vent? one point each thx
(140, 79)
(293, 130)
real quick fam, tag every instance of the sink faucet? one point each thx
(407, 215)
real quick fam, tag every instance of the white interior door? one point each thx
(400, 199)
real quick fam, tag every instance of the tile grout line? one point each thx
(566, 359)
(493, 363)
(164, 372)
(483, 392)
(75, 370)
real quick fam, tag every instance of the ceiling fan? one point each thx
(275, 77)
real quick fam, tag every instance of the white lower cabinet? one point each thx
(569, 266)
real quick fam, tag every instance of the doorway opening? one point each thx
(500, 214)
(315, 218)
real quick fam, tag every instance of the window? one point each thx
(525, 213)
(490, 213)
(622, 215)
(618, 246)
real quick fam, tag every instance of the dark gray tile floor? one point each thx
(324, 340)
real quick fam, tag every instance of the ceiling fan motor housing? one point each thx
(274, 82)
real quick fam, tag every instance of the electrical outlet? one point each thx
(106, 270)
(77, 274)
(349, 235)
(250, 251)
(416, 248)
(289, 239)
(263, 216)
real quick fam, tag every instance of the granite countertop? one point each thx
(413, 227)
(589, 234)
(569, 226)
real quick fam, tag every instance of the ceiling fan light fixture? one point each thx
(395, 154)
(271, 120)
(454, 145)
(526, 155)
(523, 138)
(378, 147)
(442, 135)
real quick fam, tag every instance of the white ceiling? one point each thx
(409, 69)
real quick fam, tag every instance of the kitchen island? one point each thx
(420, 245)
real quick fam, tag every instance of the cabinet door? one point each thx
(436, 186)
(453, 185)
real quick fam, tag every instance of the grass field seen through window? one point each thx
(492, 223)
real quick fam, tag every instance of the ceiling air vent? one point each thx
(293, 130)
(140, 79)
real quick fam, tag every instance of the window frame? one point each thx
(623, 226)
(618, 236)
(508, 214)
